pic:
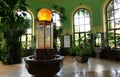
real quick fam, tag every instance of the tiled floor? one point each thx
(94, 68)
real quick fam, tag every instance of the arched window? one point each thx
(81, 28)
(56, 19)
(26, 39)
(57, 25)
(113, 20)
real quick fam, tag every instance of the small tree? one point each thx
(57, 34)
(13, 26)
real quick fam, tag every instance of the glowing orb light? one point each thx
(44, 15)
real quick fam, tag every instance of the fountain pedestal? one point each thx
(43, 54)
(44, 66)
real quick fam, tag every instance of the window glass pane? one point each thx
(98, 40)
(87, 28)
(117, 25)
(111, 38)
(117, 21)
(77, 28)
(76, 39)
(118, 38)
(47, 37)
(23, 38)
(76, 42)
(117, 13)
(76, 16)
(110, 7)
(81, 15)
(76, 36)
(110, 15)
(29, 38)
(29, 44)
(86, 14)
(28, 16)
(56, 19)
(41, 37)
(82, 28)
(29, 31)
(23, 44)
(116, 4)
(82, 21)
(87, 20)
(58, 42)
(76, 22)
(82, 38)
(110, 24)
(117, 32)
(58, 23)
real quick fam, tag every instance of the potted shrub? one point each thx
(81, 51)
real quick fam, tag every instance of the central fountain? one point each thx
(44, 62)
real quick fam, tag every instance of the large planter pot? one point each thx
(82, 59)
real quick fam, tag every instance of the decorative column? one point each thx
(44, 41)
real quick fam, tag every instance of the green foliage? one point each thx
(60, 10)
(57, 34)
(81, 49)
(13, 26)
(114, 37)
(2, 47)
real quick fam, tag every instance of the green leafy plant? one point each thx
(61, 11)
(81, 50)
(13, 26)
(57, 34)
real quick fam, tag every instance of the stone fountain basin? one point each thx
(43, 68)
